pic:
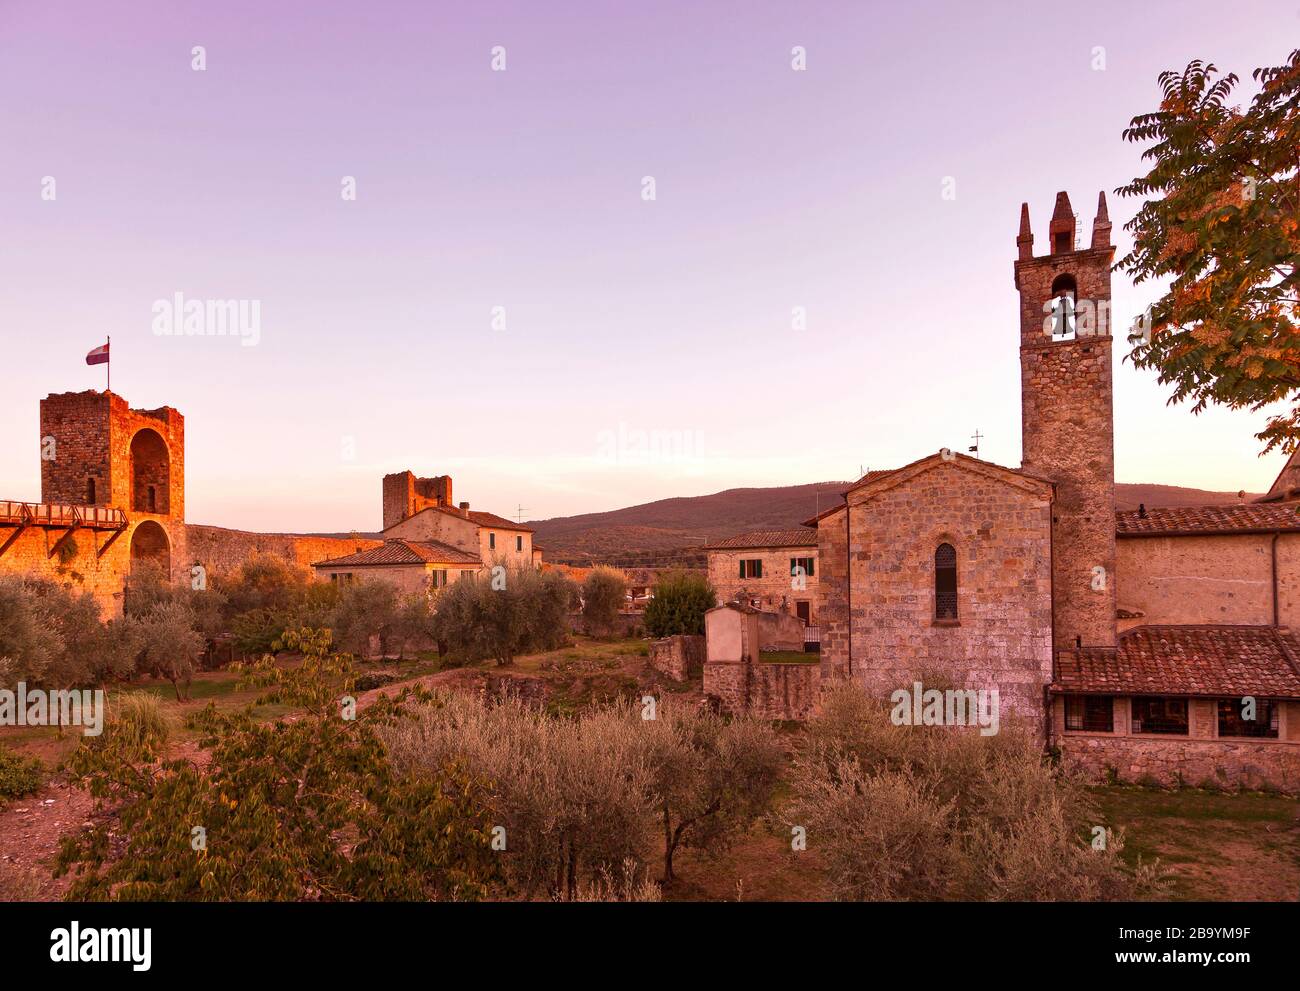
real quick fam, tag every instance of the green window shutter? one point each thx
(758, 568)
(742, 567)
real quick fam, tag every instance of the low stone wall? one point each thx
(1252, 764)
(627, 625)
(765, 691)
(679, 657)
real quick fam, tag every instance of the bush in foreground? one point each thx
(308, 809)
(934, 813)
(19, 775)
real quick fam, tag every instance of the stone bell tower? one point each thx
(1067, 414)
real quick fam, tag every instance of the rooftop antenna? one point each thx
(976, 437)
(519, 513)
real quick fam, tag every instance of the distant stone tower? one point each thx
(405, 495)
(105, 454)
(1067, 414)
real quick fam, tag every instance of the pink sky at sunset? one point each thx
(522, 189)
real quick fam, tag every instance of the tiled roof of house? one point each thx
(392, 552)
(1248, 518)
(801, 537)
(477, 517)
(495, 521)
(1225, 661)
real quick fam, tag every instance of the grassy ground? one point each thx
(1216, 846)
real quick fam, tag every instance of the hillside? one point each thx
(672, 531)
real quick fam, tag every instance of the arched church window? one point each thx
(945, 582)
(1065, 299)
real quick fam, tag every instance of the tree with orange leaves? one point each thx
(1221, 221)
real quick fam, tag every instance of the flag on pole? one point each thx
(99, 356)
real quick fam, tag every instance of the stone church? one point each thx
(1155, 644)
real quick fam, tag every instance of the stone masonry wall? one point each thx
(1067, 431)
(221, 550)
(1210, 579)
(833, 595)
(1200, 759)
(679, 657)
(764, 691)
(998, 524)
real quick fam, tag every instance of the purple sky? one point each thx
(521, 189)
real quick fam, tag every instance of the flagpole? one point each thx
(108, 365)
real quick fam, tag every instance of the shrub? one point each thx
(573, 795)
(257, 630)
(52, 637)
(681, 598)
(587, 799)
(308, 809)
(515, 611)
(923, 813)
(603, 596)
(166, 645)
(712, 777)
(136, 724)
(19, 775)
(365, 609)
(265, 581)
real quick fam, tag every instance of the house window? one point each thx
(751, 567)
(519, 544)
(1090, 713)
(90, 491)
(1160, 715)
(439, 578)
(1232, 721)
(492, 541)
(945, 582)
(802, 562)
(341, 576)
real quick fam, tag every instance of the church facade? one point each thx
(1152, 645)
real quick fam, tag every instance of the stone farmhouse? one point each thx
(429, 543)
(771, 570)
(1153, 643)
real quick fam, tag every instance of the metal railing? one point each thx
(59, 514)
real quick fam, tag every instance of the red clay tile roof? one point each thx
(801, 537)
(490, 520)
(404, 552)
(1224, 661)
(1249, 518)
(495, 521)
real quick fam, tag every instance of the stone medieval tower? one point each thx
(1067, 416)
(105, 454)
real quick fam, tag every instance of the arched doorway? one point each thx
(151, 548)
(150, 473)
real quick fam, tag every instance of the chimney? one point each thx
(464, 509)
(1025, 239)
(1142, 510)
